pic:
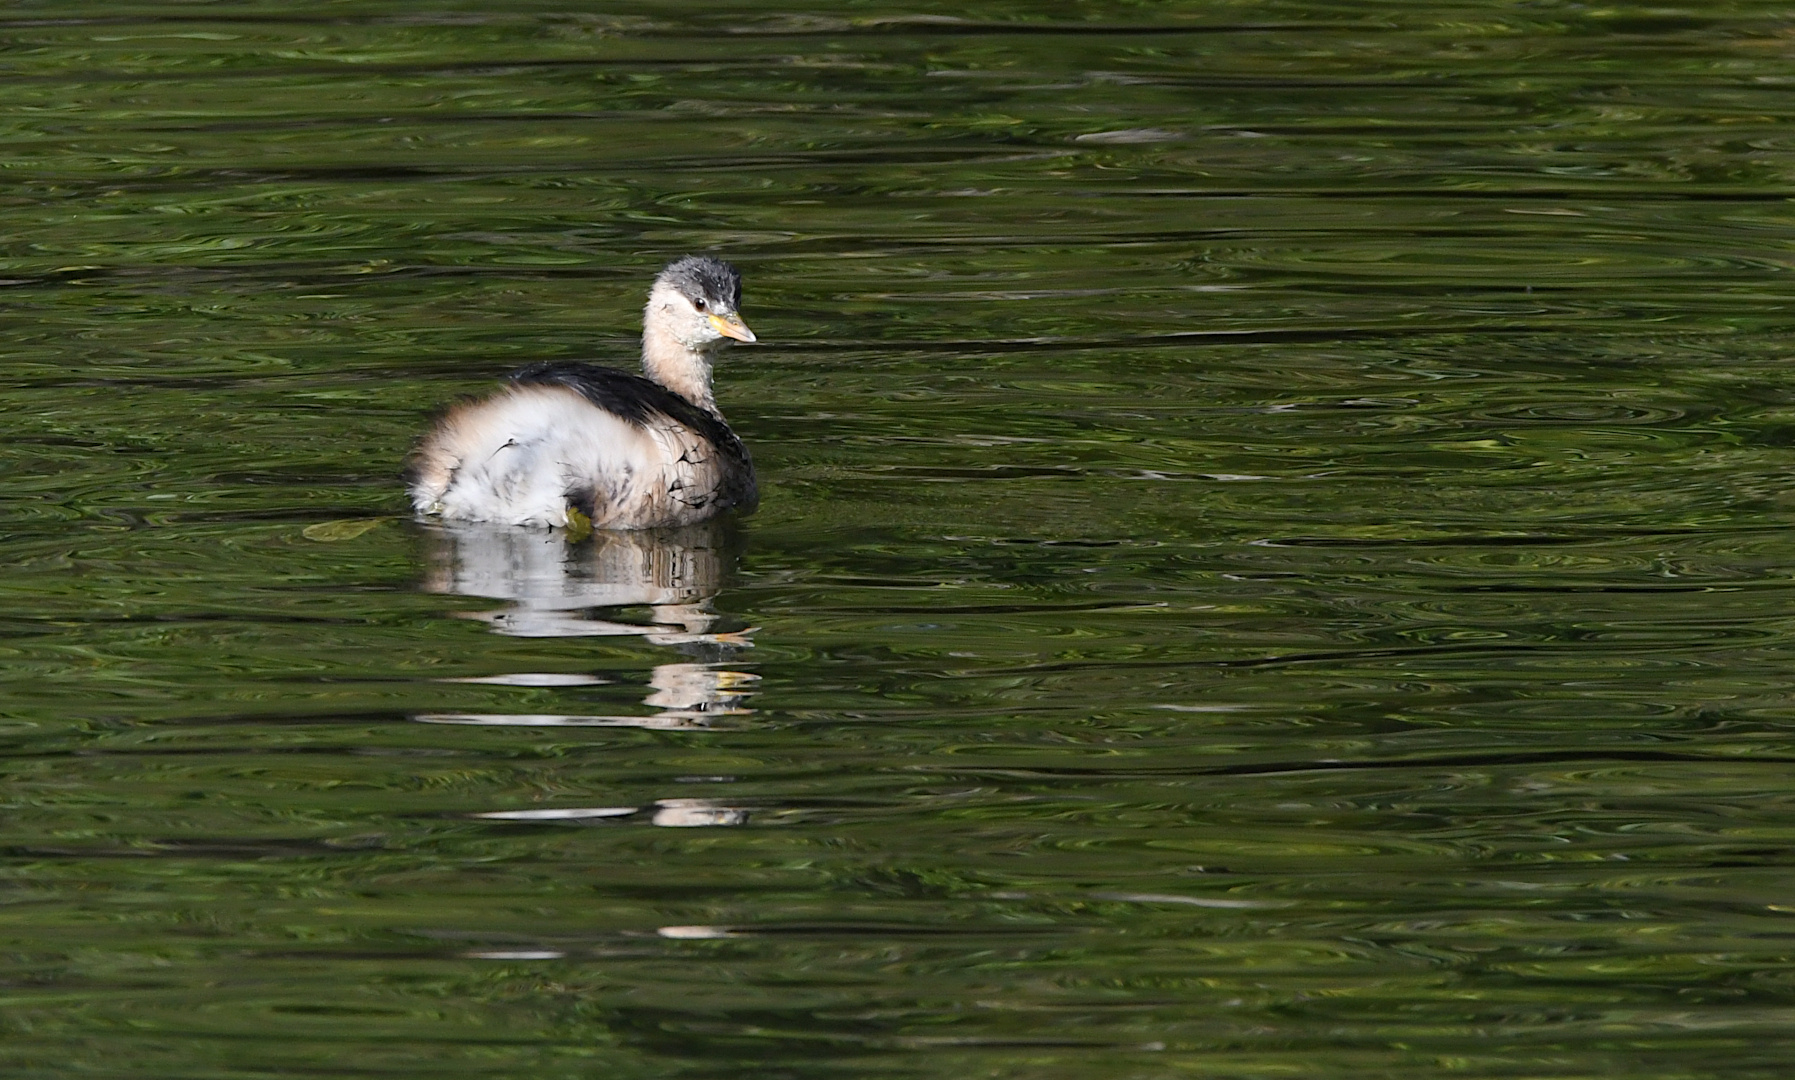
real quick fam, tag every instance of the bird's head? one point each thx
(694, 301)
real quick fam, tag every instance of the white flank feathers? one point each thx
(513, 458)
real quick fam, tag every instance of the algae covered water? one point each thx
(1274, 553)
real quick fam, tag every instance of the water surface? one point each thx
(1272, 559)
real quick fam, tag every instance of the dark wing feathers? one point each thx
(638, 400)
(632, 397)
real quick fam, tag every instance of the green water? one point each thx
(1274, 561)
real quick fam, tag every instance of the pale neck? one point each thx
(672, 363)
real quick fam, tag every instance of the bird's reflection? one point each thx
(552, 588)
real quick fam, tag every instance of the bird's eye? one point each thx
(699, 303)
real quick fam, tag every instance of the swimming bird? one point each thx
(574, 445)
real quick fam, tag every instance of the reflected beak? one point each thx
(732, 326)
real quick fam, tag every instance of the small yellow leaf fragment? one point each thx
(579, 526)
(331, 532)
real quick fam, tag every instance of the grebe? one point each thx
(578, 446)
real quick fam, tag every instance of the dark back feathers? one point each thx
(639, 400)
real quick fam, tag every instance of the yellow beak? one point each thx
(732, 326)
